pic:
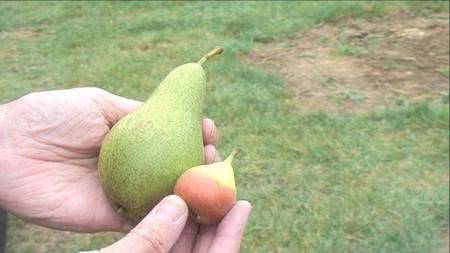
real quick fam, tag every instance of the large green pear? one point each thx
(146, 151)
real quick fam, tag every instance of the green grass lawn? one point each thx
(377, 182)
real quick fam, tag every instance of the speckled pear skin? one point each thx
(147, 150)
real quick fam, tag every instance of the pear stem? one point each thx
(234, 153)
(215, 51)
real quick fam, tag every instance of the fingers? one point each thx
(231, 229)
(187, 238)
(227, 236)
(210, 136)
(205, 238)
(158, 231)
(209, 130)
(211, 155)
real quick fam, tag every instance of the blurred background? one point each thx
(341, 109)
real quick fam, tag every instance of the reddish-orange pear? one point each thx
(209, 190)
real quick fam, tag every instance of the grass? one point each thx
(445, 72)
(318, 183)
(344, 49)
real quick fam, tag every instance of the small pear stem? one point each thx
(234, 153)
(215, 51)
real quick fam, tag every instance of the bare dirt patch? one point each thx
(25, 33)
(446, 247)
(360, 65)
(18, 34)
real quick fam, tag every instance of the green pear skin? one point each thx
(147, 150)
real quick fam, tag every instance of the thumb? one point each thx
(158, 231)
(115, 107)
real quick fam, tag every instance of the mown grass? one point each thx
(318, 183)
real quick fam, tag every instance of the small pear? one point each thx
(209, 190)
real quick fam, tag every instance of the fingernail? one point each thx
(210, 122)
(247, 204)
(171, 208)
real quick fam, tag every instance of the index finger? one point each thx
(209, 130)
(231, 229)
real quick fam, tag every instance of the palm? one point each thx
(53, 147)
(57, 136)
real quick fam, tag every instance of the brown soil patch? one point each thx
(446, 248)
(25, 33)
(18, 34)
(361, 65)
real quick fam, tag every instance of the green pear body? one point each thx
(146, 151)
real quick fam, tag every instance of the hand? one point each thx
(162, 231)
(49, 145)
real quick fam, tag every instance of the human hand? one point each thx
(49, 145)
(168, 228)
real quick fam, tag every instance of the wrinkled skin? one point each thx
(49, 145)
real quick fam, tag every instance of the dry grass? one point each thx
(360, 65)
